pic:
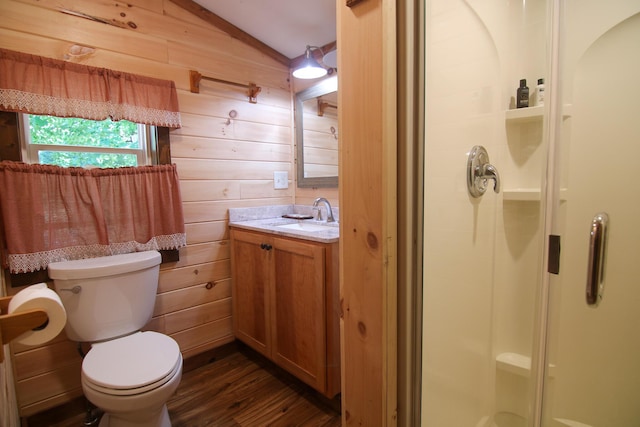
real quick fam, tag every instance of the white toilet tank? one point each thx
(107, 297)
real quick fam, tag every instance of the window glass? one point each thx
(84, 143)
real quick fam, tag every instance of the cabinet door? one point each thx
(299, 335)
(250, 289)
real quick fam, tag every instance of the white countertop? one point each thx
(329, 233)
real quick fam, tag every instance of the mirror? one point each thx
(316, 117)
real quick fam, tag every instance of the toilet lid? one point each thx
(131, 362)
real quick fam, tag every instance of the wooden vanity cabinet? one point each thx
(285, 300)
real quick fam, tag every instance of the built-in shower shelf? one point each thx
(515, 363)
(528, 194)
(531, 114)
(518, 364)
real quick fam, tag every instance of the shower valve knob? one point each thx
(480, 171)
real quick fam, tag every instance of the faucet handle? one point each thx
(319, 210)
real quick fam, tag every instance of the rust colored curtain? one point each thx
(37, 85)
(50, 213)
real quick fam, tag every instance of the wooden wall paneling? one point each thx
(183, 298)
(179, 278)
(209, 211)
(217, 127)
(194, 316)
(148, 18)
(18, 16)
(39, 44)
(270, 109)
(131, 14)
(66, 396)
(256, 189)
(228, 169)
(202, 190)
(151, 5)
(226, 67)
(46, 358)
(199, 254)
(208, 345)
(208, 332)
(273, 106)
(224, 149)
(207, 231)
(55, 48)
(212, 92)
(40, 387)
(367, 211)
(16, 347)
(32, 44)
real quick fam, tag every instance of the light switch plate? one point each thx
(280, 180)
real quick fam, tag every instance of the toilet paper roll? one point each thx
(39, 297)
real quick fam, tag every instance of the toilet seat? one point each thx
(131, 365)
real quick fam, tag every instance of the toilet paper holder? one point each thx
(15, 324)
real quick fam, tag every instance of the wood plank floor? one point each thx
(233, 386)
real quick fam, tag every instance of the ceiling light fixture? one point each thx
(309, 67)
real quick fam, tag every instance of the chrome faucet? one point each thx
(327, 206)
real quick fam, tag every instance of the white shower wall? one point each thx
(482, 256)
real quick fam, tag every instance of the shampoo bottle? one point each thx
(540, 92)
(522, 98)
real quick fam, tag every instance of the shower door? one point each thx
(488, 297)
(594, 349)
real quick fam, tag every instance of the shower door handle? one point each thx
(597, 247)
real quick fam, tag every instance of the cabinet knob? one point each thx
(265, 246)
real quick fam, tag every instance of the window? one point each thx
(85, 143)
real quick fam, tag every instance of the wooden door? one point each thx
(251, 275)
(298, 309)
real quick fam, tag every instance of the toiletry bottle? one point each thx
(540, 92)
(522, 99)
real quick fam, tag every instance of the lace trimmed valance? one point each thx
(37, 85)
(50, 213)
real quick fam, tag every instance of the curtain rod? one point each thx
(195, 78)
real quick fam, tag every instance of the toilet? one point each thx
(127, 373)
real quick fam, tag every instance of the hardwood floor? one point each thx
(232, 386)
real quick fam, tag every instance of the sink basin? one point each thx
(304, 226)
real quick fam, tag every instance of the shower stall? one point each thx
(531, 289)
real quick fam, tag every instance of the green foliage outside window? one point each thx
(48, 130)
(81, 159)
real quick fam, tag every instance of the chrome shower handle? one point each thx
(480, 171)
(490, 172)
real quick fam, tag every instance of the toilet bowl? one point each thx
(131, 378)
(127, 373)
